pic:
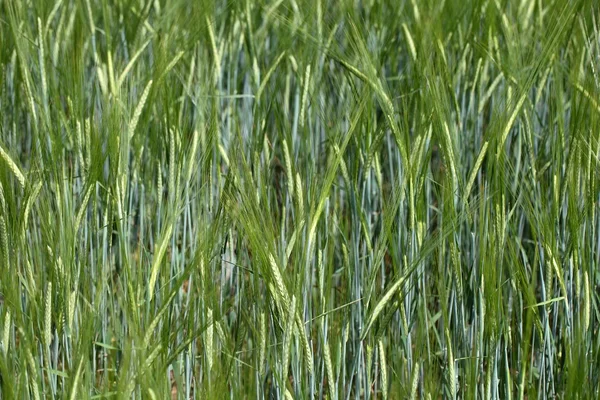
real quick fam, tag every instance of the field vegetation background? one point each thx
(299, 199)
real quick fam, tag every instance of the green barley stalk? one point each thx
(33, 370)
(288, 168)
(415, 381)
(157, 259)
(410, 42)
(304, 96)
(154, 323)
(307, 352)
(451, 377)
(215, 52)
(42, 65)
(30, 200)
(383, 366)
(13, 167)
(270, 72)
(4, 243)
(48, 316)
(209, 340)
(475, 169)
(76, 379)
(381, 305)
(6, 333)
(299, 196)
(287, 338)
(331, 382)
(71, 310)
(138, 109)
(131, 63)
(172, 64)
(82, 209)
(586, 303)
(262, 345)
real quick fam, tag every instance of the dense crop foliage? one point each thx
(279, 199)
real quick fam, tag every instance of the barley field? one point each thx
(299, 199)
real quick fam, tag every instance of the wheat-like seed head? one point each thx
(12, 165)
(331, 382)
(383, 366)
